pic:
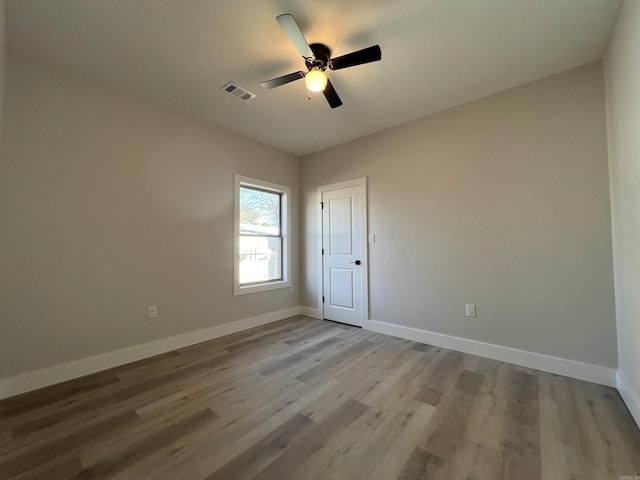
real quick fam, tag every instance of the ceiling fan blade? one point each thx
(276, 82)
(291, 28)
(366, 55)
(331, 95)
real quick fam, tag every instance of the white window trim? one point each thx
(286, 244)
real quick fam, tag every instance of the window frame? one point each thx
(285, 194)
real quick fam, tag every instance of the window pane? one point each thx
(259, 212)
(260, 259)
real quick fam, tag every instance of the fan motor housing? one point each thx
(322, 54)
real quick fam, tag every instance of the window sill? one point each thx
(262, 287)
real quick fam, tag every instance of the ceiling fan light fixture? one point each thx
(315, 80)
(317, 58)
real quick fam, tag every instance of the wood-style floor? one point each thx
(307, 399)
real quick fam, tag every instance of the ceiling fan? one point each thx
(317, 58)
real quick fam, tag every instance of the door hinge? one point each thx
(322, 298)
(322, 205)
(323, 251)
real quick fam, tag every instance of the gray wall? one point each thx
(502, 202)
(622, 70)
(3, 55)
(109, 205)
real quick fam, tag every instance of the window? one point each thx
(261, 242)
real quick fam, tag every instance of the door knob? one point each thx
(357, 262)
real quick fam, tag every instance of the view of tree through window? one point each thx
(260, 236)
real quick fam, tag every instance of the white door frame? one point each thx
(361, 184)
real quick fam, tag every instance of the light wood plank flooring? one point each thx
(308, 399)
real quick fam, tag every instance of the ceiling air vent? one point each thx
(238, 92)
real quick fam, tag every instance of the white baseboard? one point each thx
(561, 366)
(631, 398)
(311, 312)
(86, 366)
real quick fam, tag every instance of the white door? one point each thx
(344, 266)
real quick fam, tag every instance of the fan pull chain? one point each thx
(309, 94)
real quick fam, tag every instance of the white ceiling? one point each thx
(435, 54)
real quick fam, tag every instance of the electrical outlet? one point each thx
(152, 311)
(470, 310)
